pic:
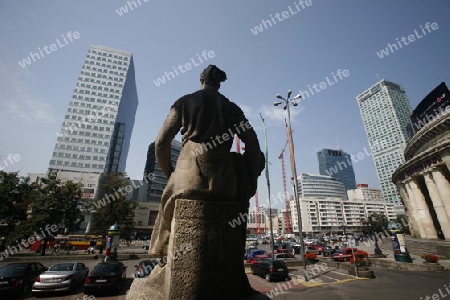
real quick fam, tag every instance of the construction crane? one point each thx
(283, 169)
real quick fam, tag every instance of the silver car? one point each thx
(61, 277)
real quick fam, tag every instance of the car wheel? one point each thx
(345, 259)
(268, 278)
(25, 288)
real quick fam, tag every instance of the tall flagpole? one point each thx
(266, 154)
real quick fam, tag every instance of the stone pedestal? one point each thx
(205, 259)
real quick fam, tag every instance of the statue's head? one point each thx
(212, 76)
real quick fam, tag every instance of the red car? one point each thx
(256, 258)
(344, 254)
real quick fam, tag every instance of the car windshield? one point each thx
(104, 269)
(62, 267)
(14, 269)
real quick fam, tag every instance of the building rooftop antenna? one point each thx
(337, 142)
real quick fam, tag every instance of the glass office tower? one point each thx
(337, 164)
(96, 132)
(385, 111)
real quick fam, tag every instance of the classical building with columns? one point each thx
(424, 179)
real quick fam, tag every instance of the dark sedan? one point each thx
(144, 268)
(106, 276)
(270, 269)
(19, 277)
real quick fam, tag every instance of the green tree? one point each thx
(54, 204)
(113, 206)
(16, 194)
(402, 224)
(376, 222)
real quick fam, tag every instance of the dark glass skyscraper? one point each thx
(337, 164)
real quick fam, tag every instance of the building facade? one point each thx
(96, 132)
(337, 164)
(320, 186)
(385, 111)
(424, 179)
(335, 214)
(157, 185)
(148, 195)
(364, 193)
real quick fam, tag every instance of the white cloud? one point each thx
(17, 103)
(279, 114)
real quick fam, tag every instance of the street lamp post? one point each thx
(288, 101)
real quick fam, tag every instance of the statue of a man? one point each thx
(205, 169)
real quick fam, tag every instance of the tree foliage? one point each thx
(114, 208)
(35, 206)
(16, 194)
(376, 222)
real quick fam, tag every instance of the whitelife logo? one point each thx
(52, 48)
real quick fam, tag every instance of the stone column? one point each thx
(423, 211)
(438, 205)
(443, 187)
(414, 214)
(205, 259)
(446, 158)
(409, 209)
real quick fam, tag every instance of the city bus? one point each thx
(74, 241)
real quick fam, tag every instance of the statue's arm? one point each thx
(163, 141)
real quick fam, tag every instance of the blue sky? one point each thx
(303, 49)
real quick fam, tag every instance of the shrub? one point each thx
(310, 256)
(430, 257)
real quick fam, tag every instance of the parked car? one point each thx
(144, 268)
(328, 251)
(61, 277)
(106, 276)
(344, 254)
(255, 253)
(19, 277)
(282, 256)
(271, 269)
(312, 249)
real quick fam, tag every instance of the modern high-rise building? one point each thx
(156, 186)
(385, 111)
(320, 186)
(96, 132)
(337, 164)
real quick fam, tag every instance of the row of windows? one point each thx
(80, 141)
(70, 126)
(98, 120)
(97, 87)
(82, 91)
(76, 164)
(106, 65)
(89, 112)
(107, 54)
(88, 79)
(79, 156)
(110, 105)
(81, 148)
(92, 99)
(99, 75)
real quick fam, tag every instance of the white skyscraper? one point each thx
(385, 111)
(96, 132)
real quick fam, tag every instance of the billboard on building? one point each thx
(431, 107)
